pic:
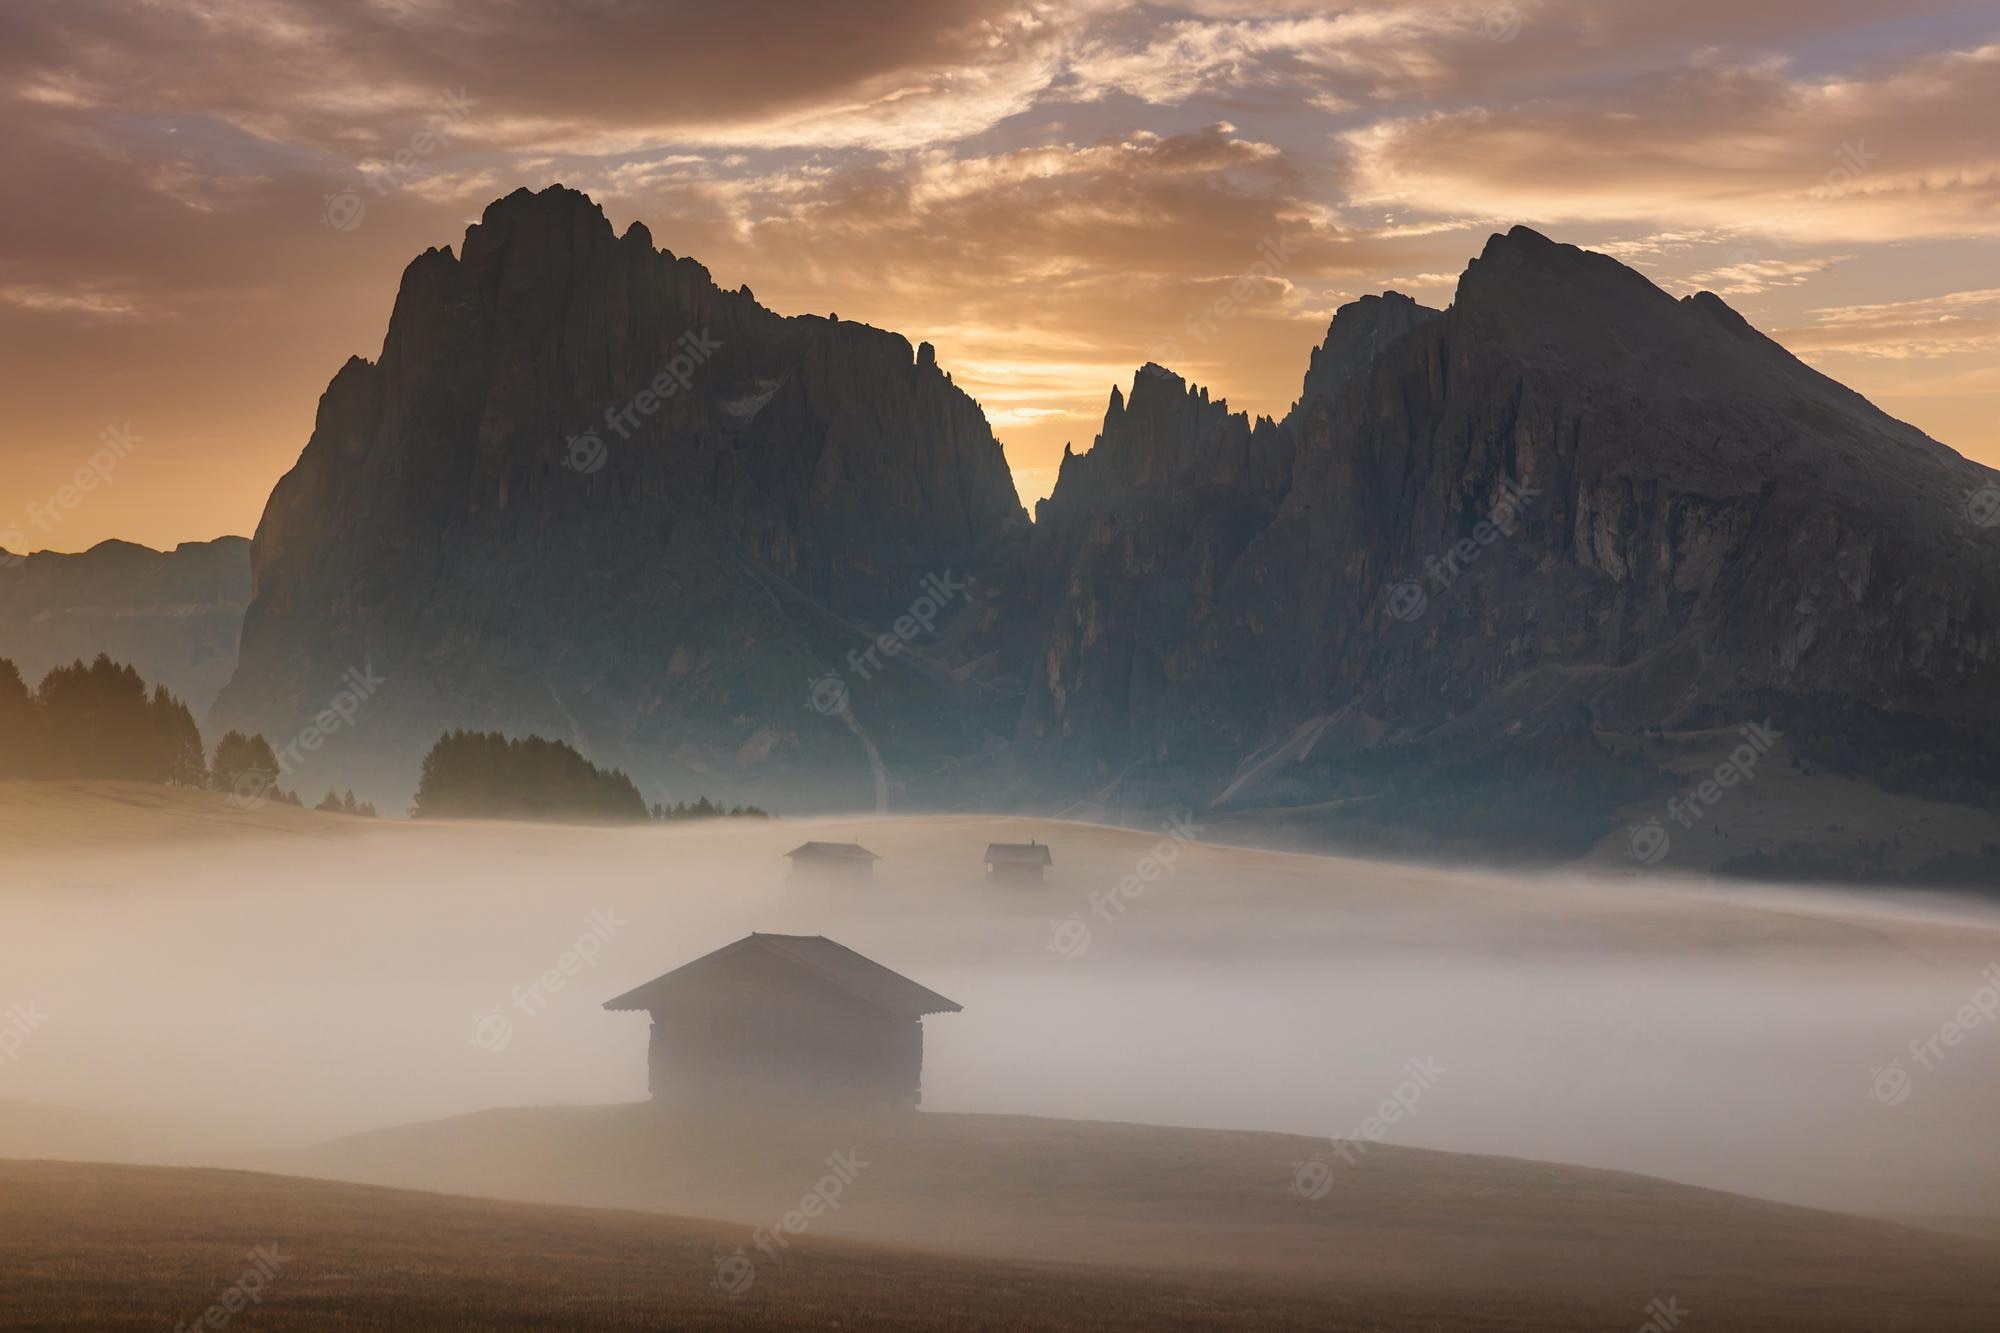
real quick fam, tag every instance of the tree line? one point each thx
(96, 721)
(100, 721)
(485, 775)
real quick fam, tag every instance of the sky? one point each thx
(208, 213)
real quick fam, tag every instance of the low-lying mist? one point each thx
(223, 997)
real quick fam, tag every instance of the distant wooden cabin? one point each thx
(785, 1020)
(833, 858)
(1018, 860)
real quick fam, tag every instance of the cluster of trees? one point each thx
(100, 721)
(484, 775)
(333, 804)
(706, 809)
(246, 768)
(96, 721)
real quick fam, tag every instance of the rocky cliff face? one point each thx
(1568, 507)
(587, 493)
(174, 615)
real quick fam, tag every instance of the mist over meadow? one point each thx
(224, 998)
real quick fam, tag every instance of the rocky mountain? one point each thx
(1495, 582)
(586, 492)
(174, 615)
(1516, 539)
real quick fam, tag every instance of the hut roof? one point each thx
(1018, 854)
(833, 851)
(890, 993)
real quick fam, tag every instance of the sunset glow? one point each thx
(1051, 193)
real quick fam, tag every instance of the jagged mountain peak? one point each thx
(575, 446)
(1357, 334)
(1522, 273)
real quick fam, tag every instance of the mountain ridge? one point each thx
(1691, 524)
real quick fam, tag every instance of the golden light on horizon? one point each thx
(1050, 200)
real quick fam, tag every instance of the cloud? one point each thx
(1747, 273)
(93, 305)
(1928, 327)
(585, 76)
(1051, 191)
(1754, 149)
(1360, 53)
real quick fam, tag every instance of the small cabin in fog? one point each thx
(1018, 860)
(785, 1020)
(833, 858)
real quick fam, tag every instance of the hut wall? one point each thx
(785, 1053)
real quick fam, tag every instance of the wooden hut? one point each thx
(1018, 860)
(837, 859)
(794, 1020)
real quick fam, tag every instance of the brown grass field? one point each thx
(1430, 1236)
(123, 1247)
(118, 1247)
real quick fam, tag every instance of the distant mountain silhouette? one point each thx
(1492, 551)
(174, 615)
